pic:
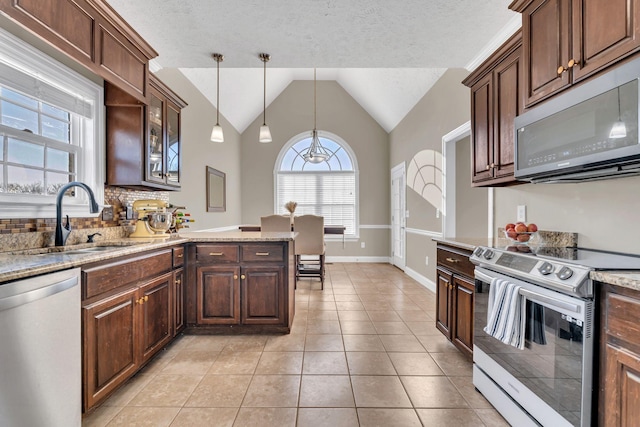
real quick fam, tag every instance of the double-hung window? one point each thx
(328, 189)
(50, 121)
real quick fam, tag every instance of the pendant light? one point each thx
(216, 134)
(619, 129)
(265, 133)
(316, 152)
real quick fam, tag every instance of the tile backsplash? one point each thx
(25, 233)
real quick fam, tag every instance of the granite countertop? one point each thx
(32, 262)
(625, 279)
(469, 243)
(237, 236)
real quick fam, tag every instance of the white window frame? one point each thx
(354, 162)
(20, 55)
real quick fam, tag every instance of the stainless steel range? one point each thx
(534, 331)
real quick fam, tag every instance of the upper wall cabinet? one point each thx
(565, 41)
(496, 99)
(93, 34)
(144, 141)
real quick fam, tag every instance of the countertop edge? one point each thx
(624, 279)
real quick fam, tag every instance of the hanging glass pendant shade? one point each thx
(316, 152)
(265, 132)
(216, 133)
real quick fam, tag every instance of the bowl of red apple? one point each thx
(521, 233)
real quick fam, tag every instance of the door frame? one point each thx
(449, 182)
(400, 169)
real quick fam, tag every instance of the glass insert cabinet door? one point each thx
(173, 145)
(155, 144)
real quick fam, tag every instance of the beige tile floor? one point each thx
(362, 352)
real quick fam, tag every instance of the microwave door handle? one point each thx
(536, 297)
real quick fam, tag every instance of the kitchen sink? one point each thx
(72, 250)
(90, 250)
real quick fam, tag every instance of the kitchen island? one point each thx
(240, 282)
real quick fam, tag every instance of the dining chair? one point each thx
(275, 223)
(309, 242)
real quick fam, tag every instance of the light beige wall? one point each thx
(444, 108)
(198, 152)
(605, 214)
(291, 114)
(471, 202)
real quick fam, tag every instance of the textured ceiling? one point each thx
(385, 53)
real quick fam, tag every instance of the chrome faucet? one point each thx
(62, 233)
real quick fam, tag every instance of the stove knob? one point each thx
(546, 268)
(478, 252)
(488, 254)
(564, 273)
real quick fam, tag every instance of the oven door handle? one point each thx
(536, 297)
(482, 276)
(533, 296)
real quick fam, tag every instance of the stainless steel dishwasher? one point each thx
(40, 351)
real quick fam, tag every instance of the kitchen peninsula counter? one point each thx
(20, 264)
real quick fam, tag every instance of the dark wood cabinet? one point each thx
(218, 295)
(178, 302)
(496, 99)
(243, 284)
(110, 347)
(130, 311)
(263, 301)
(444, 301)
(619, 391)
(454, 296)
(566, 41)
(93, 34)
(462, 331)
(144, 141)
(156, 314)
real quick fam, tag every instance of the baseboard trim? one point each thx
(377, 259)
(420, 279)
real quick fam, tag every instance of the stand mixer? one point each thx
(153, 219)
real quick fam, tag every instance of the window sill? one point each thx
(26, 210)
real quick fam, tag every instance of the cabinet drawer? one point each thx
(455, 261)
(622, 317)
(262, 253)
(178, 257)
(217, 253)
(108, 276)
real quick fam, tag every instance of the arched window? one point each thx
(329, 188)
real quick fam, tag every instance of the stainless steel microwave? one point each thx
(589, 132)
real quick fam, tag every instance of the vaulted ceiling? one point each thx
(385, 53)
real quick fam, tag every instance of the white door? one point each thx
(398, 193)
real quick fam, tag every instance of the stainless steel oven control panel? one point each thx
(564, 277)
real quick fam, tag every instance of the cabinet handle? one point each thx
(180, 256)
(493, 165)
(262, 253)
(146, 298)
(242, 277)
(178, 281)
(488, 167)
(235, 277)
(215, 254)
(140, 301)
(452, 260)
(572, 63)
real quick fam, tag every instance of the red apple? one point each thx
(532, 228)
(511, 233)
(510, 225)
(523, 237)
(521, 228)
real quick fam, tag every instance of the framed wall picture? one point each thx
(216, 190)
